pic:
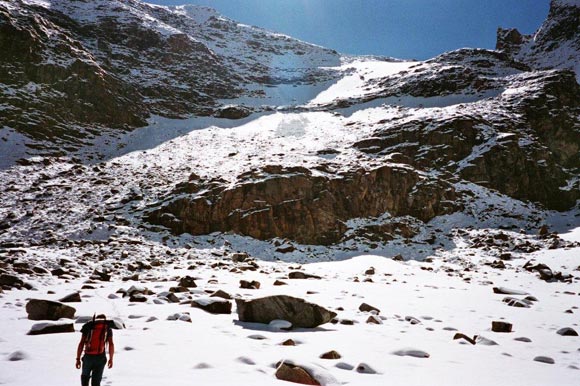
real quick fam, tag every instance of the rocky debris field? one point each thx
(365, 320)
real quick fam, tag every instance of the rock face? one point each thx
(473, 148)
(39, 309)
(292, 203)
(281, 307)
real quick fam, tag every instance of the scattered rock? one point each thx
(17, 356)
(10, 280)
(183, 317)
(246, 361)
(363, 368)
(523, 339)
(240, 257)
(213, 305)
(171, 297)
(296, 374)
(288, 342)
(138, 298)
(567, 331)
(498, 326)
(412, 353)
(249, 284)
(187, 282)
(72, 298)
(344, 366)
(368, 308)
(412, 320)
(295, 310)
(545, 359)
(302, 275)
(465, 337)
(257, 337)
(372, 319)
(515, 302)
(221, 294)
(330, 355)
(39, 309)
(279, 282)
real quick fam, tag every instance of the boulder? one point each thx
(51, 328)
(10, 280)
(240, 257)
(244, 284)
(545, 359)
(138, 298)
(498, 326)
(39, 309)
(515, 302)
(567, 331)
(295, 310)
(301, 275)
(412, 320)
(221, 294)
(330, 355)
(213, 305)
(72, 298)
(296, 374)
(187, 282)
(368, 308)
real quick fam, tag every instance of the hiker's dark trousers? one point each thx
(93, 366)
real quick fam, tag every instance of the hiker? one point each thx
(97, 334)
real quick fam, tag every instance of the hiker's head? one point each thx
(101, 317)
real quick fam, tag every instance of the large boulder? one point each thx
(51, 328)
(295, 310)
(39, 309)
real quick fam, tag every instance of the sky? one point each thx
(407, 29)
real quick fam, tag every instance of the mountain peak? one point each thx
(556, 44)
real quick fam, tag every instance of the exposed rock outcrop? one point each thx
(310, 209)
